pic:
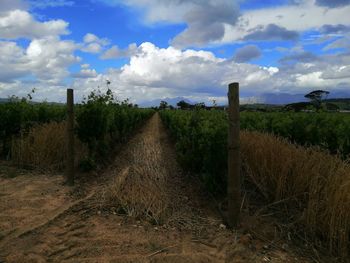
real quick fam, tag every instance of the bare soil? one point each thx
(42, 220)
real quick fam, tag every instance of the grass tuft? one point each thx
(314, 187)
(44, 147)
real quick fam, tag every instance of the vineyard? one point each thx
(312, 185)
(294, 167)
(329, 131)
(30, 133)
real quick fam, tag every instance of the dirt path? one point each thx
(168, 220)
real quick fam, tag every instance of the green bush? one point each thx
(102, 122)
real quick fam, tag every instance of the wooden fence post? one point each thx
(234, 178)
(70, 137)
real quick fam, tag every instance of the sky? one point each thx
(278, 50)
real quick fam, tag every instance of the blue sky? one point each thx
(156, 49)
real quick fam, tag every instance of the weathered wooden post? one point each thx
(70, 137)
(234, 177)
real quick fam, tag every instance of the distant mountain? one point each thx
(287, 98)
(4, 100)
(170, 101)
(282, 98)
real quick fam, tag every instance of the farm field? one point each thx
(308, 187)
(174, 131)
(181, 223)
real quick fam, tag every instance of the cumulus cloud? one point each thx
(45, 59)
(115, 52)
(271, 32)
(304, 57)
(216, 22)
(91, 38)
(206, 23)
(13, 62)
(205, 20)
(302, 17)
(201, 76)
(93, 44)
(92, 48)
(247, 53)
(335, 29)
(17, 23)
(154, 72)
(8, 5)
(85, 73)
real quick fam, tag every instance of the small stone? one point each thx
(114, 213)
(98, 212)
(266, 246)
(156, 228)
(222, 226)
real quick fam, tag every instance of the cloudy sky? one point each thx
(155, 49)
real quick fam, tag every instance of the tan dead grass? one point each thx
(44, 147)
(140, 189)
(316, 183)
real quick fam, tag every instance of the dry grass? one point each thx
(313, 186)
(44, 147)
(140, 188)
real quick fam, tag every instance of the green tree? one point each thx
(163, 105)
(316, 97)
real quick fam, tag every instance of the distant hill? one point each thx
(3, 100)
(287, 98)
(342, 103)
(6, 100)
(170, 101)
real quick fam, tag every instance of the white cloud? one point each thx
(85, 73)
(85, 66)
(17, 23)
(306, 16)
(116, 52)
(8, 5)
(13, 62)
(92, 48)
(155, 72)
(247, 53)
(220, 21)
(205, 20)
(50, 58)
(45, 59)
(200, 76)
(93, 44)
(91, 38)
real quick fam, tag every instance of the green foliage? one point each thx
(103, 122)
(20, 114)
(331, 131)
(201, 143)
(201, 136)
